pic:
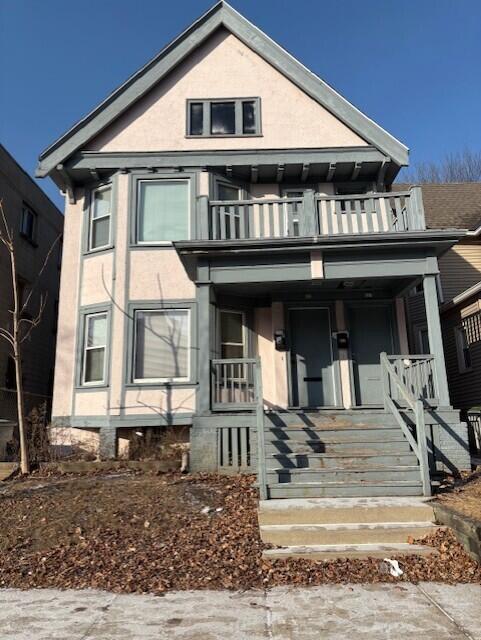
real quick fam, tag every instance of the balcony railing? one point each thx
(314, 215)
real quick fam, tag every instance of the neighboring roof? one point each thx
(463, 296)
(453, 205)
(220, 15)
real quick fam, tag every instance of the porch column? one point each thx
(204, 341)
(435, 337)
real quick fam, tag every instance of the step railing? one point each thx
(396, 393)
(236, 384)
(417, 373)
(313, 215)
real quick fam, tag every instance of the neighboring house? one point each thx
(229, 227)
(459, 289)
(36, 223)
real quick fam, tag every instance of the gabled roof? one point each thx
(220, 15)
(451, 205)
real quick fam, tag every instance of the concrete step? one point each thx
(333, 551)
(333, 461)
(7, 469)
(345, 489)
(347, 510)
(344, 533)
(347, 446)
(359, 475)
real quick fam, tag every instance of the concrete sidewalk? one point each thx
(427, 611)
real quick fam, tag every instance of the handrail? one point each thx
(261, 447)
(237, 384)
(419, 446)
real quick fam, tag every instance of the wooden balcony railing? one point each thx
(314, 215)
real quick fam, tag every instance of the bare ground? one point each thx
(147, 533)
(465, 497)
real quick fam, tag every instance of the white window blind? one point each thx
(163, 211)
(100, 218)
(95, 345)
(162, 343)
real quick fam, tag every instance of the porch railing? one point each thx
(396, 394)
(313, 215)
(417, 373)
(237, 384)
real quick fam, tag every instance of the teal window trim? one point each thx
(239, 128)
(134, 185)
(163, 305)
(88, 211)
(84, 312)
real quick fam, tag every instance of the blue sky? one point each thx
(411, 65)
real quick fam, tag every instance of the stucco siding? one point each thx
(460, 268)
(158, 275)
(91, 403)
(97, 277)
(151, 402)
(224, 67)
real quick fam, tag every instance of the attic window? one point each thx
(224, 118)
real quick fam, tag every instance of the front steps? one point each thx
(344, 454)
(326, 529)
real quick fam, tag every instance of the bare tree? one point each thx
(464, 166)
(21, 326)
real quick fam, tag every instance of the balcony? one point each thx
(313, 215)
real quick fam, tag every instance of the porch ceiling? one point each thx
(352, 289)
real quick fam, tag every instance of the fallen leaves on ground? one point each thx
(147, 533)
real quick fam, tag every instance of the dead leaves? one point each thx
(147, 534)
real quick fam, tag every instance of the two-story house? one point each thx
(235, 262)
(37, 225)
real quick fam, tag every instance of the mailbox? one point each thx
(280, 340)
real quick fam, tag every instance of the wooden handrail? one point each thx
(419, 446)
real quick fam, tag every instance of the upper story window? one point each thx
(228, 117)
(28, 224)
(163, 211)
(100, 215)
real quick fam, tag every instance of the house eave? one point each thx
(220, 15)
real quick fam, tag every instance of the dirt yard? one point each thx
(465, 498)
(141, 532)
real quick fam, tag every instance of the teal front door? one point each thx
(311, 358)
(371, 332)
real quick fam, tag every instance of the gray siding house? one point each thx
(236, 262)
(36, 223)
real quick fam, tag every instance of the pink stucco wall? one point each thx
(224, 67)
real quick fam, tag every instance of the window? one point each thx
(232, 334)
(29, 223)
(462, 349)
(162, 345)
(94, 349)
(100, 213)
(163, 211)
(230, 117)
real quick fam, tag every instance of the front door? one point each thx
(370, 329)
(311, 358)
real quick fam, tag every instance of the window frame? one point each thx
(245, 345)
(26, 208)
(135, 180)
(459, 332)
(85, 317)
(165, 305)
(239, 124)
(91, 206)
